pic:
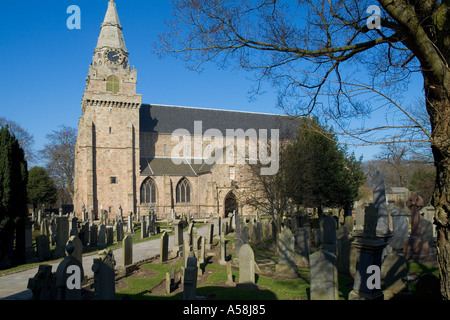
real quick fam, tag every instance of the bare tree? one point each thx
(328, 57)
(59, 154)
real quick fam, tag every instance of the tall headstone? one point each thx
(379, 202)
(144, 230)
(109, 236)
(62, 235)
(223, 250)
(324, 276)
(178, 238)
(127, 251)
(329, 234)
(246, 267)
(69, 275)
(343, 248)
(302, 247)
(43, 247)
(104, 275)
(400, 226)
(130, 223)
(369, 250)
(101, 239)
(73, 226)
(210, 236)
(190, 279)
(286, 253)
(85, 233)
(93, 235)
(164, 256)
(119, 231)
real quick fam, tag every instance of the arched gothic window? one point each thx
(183, 191)
(148, 191)
(112, 84)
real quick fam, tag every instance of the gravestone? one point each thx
(369, 250)
(400, 226)
(85, 233)
(246, 267)
(43, 247)
(164, 253)
(349, 222)
(190, 279)
(329, 234)
(69, 276)
(201, 259)
(286, 253)
(104, 275)
(229, 281)
(119, 231)
(127, 251)
(343, 247)
(73, 228)
(93, 235)
(144, 230)
(416, 247)
(52, 229)
(426, 230)
(178, 238)
(324, 276)
(130, 224)
(359, 220)
(190, 236)
(78, 248)
(62, 235)
(109, 236)
(223, 250)
(302, 247)
(379, 202)
(45, 228)
(43, 284)
(210, 236)
(394, 270)
(101, 239)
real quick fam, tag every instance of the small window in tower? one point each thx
(112, 84)
(113, 180)
(110, 130)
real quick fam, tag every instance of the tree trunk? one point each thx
(438, 106)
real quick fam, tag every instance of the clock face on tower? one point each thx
(114, 56)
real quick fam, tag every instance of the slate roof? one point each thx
(165, 166)
(166, 119)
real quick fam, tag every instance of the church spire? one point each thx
(111, 31)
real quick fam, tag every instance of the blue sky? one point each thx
(44, 65)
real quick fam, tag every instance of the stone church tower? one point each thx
(107, 149)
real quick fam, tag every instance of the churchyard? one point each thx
(247, 258)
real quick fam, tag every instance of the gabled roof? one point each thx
(166, 119)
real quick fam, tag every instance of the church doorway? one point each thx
(231, 203)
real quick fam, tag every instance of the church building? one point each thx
(138, 157)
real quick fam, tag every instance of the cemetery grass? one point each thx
(212, 284)
(148, 282)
